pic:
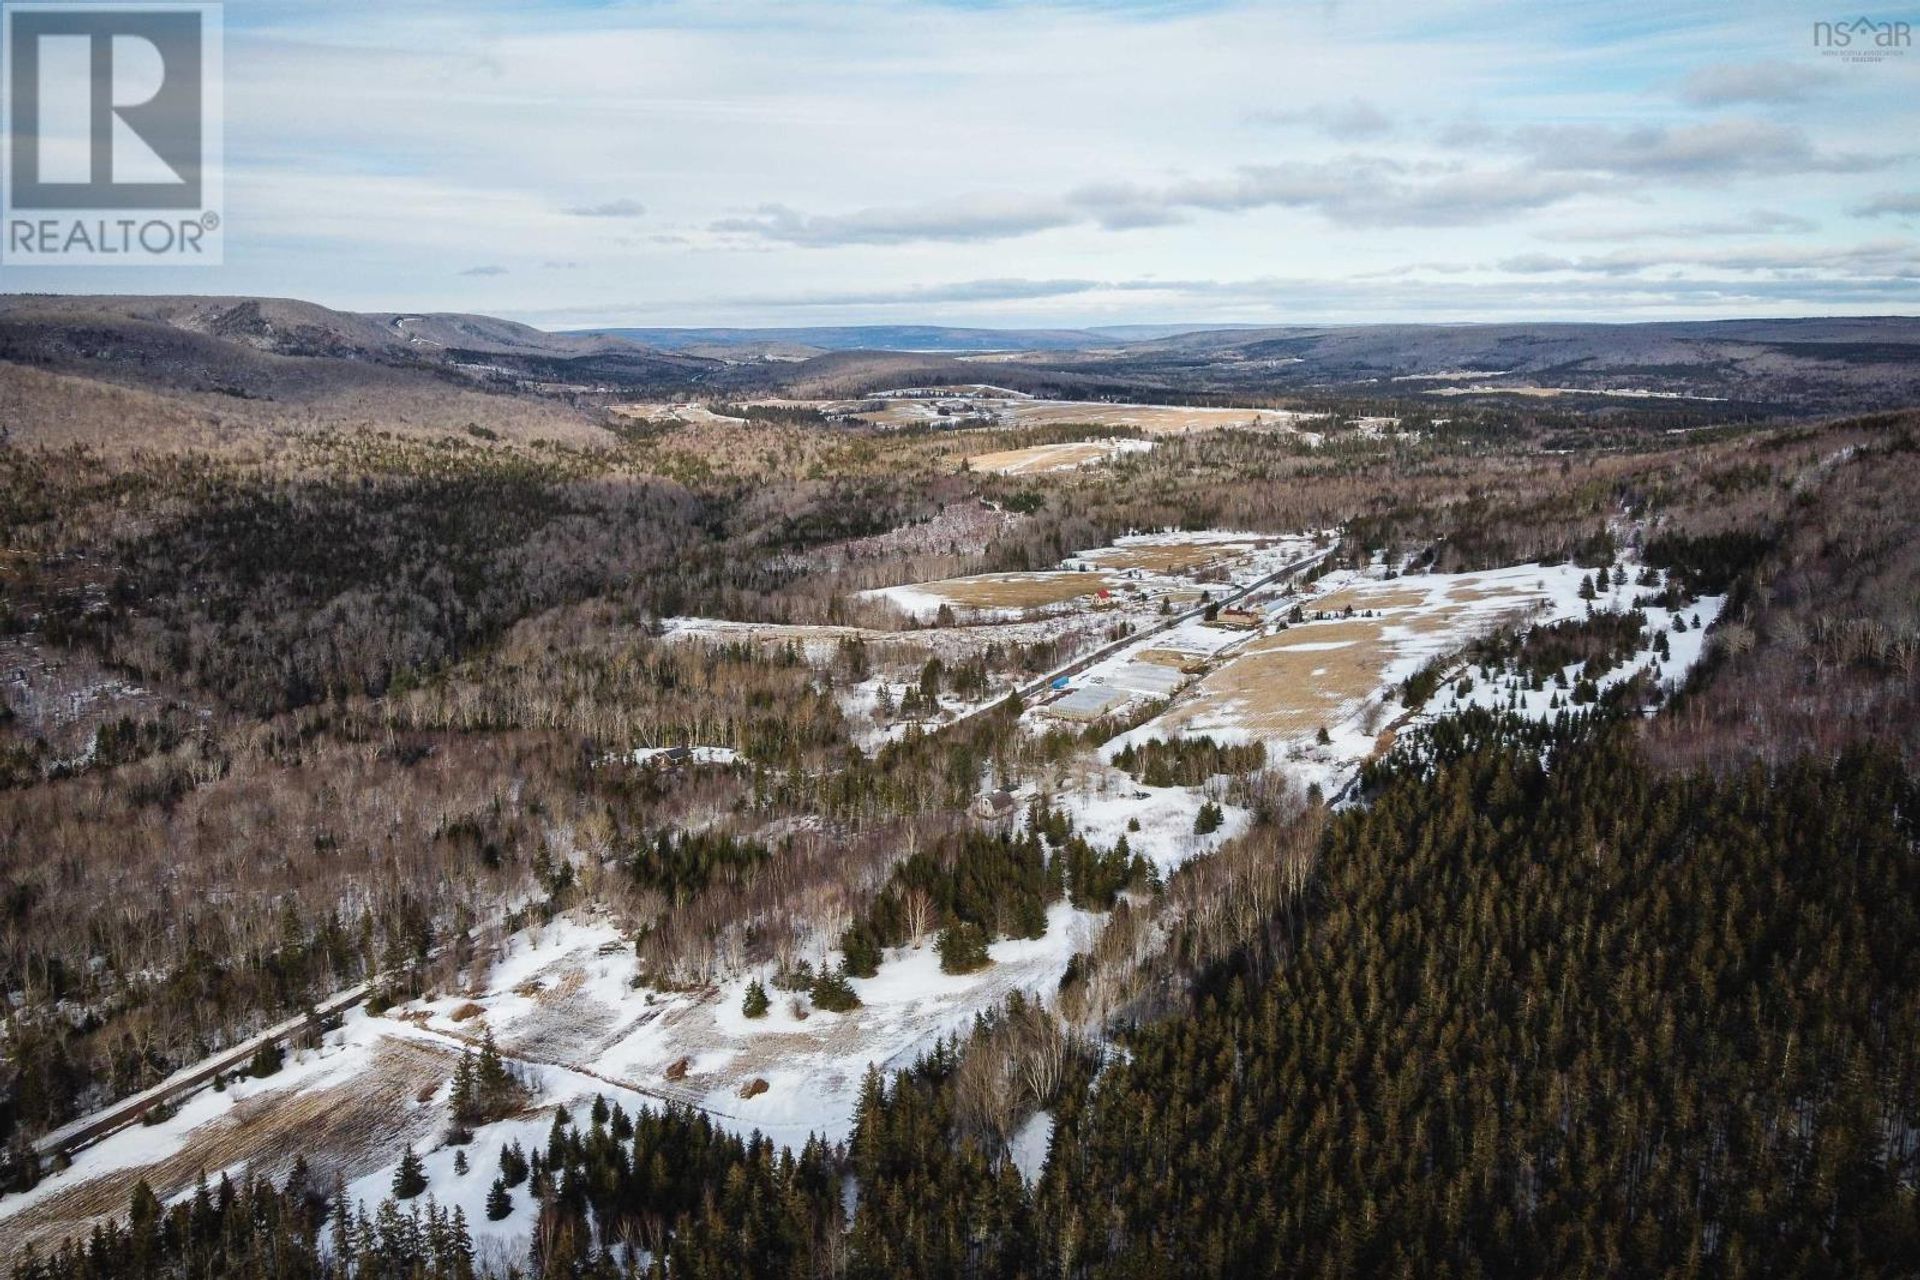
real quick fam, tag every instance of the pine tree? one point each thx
(410, 1179)
(497, 1090)
(755, 1005)
(463, 1099)
(460, 1246)
(861, 950)
(513, 1164)
(499, 1203)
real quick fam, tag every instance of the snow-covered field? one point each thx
(561, 1005)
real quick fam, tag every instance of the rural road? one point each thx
(89, 1129)
(101, 1125)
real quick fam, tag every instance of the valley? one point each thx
(768, 776)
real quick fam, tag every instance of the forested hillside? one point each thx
(1594, 1021)
(1628, 987)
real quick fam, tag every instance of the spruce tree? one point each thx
(963, 948)
(499, 1203)
(861, 949)
(513, 1164)
(410, 1179)
(463, 1098)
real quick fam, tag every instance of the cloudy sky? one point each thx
(785, 162)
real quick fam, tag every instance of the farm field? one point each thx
(1054, 457)
(1284, 686)
(1180, 554)
(563, 1007)
(997, 407)
(682, 411)
(1341, 669)
(1154, 419)
(999, 593)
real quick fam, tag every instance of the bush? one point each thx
(963, 948)
(267, 1060)
(832, 992)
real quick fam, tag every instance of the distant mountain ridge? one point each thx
(883, 337)
(288, 350)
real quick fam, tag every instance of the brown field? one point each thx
(351, 1128)
(1158, 420)
(1276, 689)
(1286, 685)
(1167, 658)
(1153, 419)
(1369, 597)
(1173, 558)
(1041, 457)
(1473, 590)
(1017, 590)
(684, 412)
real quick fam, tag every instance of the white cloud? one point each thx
(691, 159)
(1898, 204)
(609, 209)
(1726, 84)
(1347, 121)
(1714, 149)
(1752, 223)
(1891, 261)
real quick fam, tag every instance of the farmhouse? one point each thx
(994, 806)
